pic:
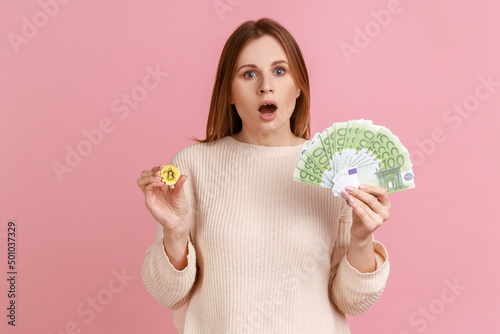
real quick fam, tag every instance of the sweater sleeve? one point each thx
(169, 286)
(351, 291)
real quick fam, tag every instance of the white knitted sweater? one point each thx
(267, 254)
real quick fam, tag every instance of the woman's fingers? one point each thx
(166, 203)
(144, 181)
(148, 176)
(157, 168)
(153, 185)
(147, 173)
(380, 192)
(178, 187)
(151, 180)
(360, 207)
(365, 221)
(364, 211)
(376, 198)
(154, 171)
(370, 200)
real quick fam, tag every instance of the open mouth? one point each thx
(267, 109)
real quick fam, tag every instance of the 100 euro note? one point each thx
(352, 153)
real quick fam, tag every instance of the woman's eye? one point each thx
(251, 74)
(280, 71)
(247, 73)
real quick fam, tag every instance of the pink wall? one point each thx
(67, 72)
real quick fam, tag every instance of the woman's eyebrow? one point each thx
(255, 66)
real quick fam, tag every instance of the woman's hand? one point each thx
(166, 203)
(370, 208)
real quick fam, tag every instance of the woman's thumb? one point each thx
(179, 186)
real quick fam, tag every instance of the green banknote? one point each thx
(353, 153)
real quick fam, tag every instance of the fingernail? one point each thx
(351, 200)
(362, 186)
(349, 188)
(158, 178)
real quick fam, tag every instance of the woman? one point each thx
(241, 247)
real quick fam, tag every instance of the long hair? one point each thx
(223, 119)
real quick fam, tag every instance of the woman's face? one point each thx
(263, 76)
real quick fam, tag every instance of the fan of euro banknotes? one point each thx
(353, 153)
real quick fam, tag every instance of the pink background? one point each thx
(75, 232)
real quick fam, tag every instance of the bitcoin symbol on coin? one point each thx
(170, 174)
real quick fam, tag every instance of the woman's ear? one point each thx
(298, 93)
(231, 99)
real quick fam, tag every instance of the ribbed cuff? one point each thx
(366, 282)
(354, 291)
(167, 284)
(191, 257)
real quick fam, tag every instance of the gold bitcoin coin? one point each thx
(170, 174)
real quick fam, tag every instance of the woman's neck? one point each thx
(269, 139)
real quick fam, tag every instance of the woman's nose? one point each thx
(265, 85)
